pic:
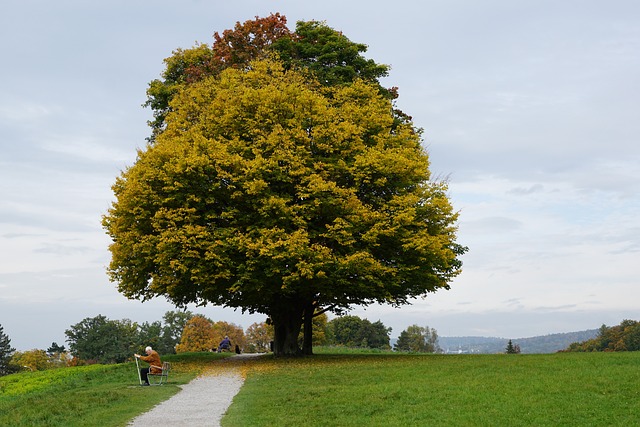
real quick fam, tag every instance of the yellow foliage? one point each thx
(233, 331)
(34, 360)
(267, 186)
(197, 335)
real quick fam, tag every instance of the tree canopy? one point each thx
(326, 53)
(271, 189)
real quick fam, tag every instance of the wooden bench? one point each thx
(162, 376)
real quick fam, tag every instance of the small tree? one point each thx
(352, 331)
(377, 334)
(55, 349)
(58, 355)
(198, 335)
(233, 331)
(34, 360)
(418, 339)
(174, 323)
(319, 329)
(6, 352)
(259, 337)
(513, 348)
(102, 340)
(157, 336)
(346, 330)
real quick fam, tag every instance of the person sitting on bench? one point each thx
(225, 344)
(155, 365)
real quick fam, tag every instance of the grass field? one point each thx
(595, 389)
(352, 389)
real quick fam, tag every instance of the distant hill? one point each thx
(541, 344)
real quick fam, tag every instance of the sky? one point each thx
(531, 110)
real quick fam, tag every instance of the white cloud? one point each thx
(25, 112)
(93, 149)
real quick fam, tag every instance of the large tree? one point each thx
(271, 191)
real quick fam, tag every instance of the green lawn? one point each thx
(594, 389)
(352, 389)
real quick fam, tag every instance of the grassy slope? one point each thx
(96, 395)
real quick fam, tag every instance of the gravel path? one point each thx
(201, 402)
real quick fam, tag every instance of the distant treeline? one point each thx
(623, 337)
(534, 345)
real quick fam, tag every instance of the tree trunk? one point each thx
(307, 345)
(286, 326)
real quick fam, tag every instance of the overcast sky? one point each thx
(530, 108)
